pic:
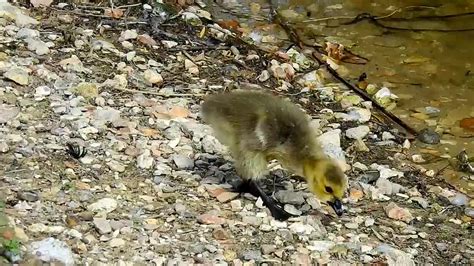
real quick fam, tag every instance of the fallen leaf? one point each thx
(150, 132)
(70, 164)
(397, 213)
(355, 194)
(339, 53)
(114, 12)
(146, 39)
(229, 24)
(178, 111)
(8, 234)
(467, 123)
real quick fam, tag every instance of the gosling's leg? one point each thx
(251, 165)
(275, 209)
(251, 186)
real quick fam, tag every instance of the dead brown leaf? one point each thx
(150, 132)
(114, 12)
(467, 123)
(178, 111)
(146, 39)
(339, 53)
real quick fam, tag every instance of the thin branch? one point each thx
(160, 93)
(197, 48)
(318, 56)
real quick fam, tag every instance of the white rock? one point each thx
(128, 35)
(25, 33)
(117, 242)
(183, 161)
(17, 75)
(387, 136)
(361, 115)
(145, 160)
(360, 166)
(331, 137)
(406, 144)
(191, 67)
(395, 256)
(320, 245)
(386, 172)
(102, 225)
(169, 44)
(369, 221)
(330, 142)
(103, 205)
(264, 76)
(116, 166)
(417, 158)
(8, 112)
(211, 145)
(236, 205)
(51, 249)
(301, 229)
(357, 132)
(4, 147)
(38, 46)
(41, 92)
(387, 187)
(351, 225)
(152, 77)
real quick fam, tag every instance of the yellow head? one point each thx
(326, 180)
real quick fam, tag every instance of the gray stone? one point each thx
(429, 136)
(292, 209)
(183, 161)
(469, 212)
(37, 45)
(103, 205)
(459, 199)
(421, 201)
(116, 166)
(7, 113)
(18, 75)
(321, 245)
(387, 187)
(28, 196)
(290, 197)
(395, 256)
(102, 225)
(267, 249)
(255, 255)
(211, 145)
(25, 33)
(357, 132)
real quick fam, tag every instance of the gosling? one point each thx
(258, 127)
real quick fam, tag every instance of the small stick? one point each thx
(160, 93)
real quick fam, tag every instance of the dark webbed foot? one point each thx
(251, 186)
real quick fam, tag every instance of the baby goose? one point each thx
(258, 127)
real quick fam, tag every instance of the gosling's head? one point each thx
(327, 181)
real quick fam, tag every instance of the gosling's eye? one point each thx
(328, 189)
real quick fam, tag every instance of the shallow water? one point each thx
(423, 68)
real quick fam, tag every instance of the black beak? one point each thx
(337, 206)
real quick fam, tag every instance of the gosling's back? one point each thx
(258, 121)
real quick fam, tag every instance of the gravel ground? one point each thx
(152, 188)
